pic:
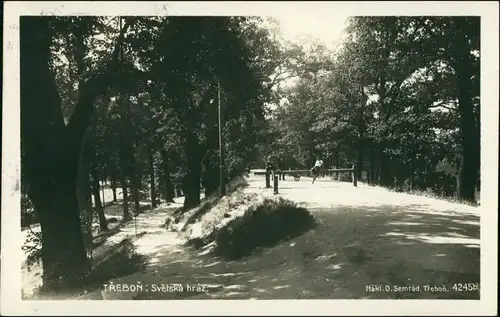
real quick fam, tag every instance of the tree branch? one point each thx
(95, 86)
(276, 80)
(443, 104)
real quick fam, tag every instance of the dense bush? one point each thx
(444, 184)
(263, 225)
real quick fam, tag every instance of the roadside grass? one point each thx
(430, 194)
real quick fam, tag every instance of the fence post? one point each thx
(275, 184)
(268, 180)
(354, 176)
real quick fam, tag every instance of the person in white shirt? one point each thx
(315, 171)
(318, 163)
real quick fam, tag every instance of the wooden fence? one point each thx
(277, 175)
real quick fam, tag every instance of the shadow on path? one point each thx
(350, 249)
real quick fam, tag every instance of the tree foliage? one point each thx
(399, 98)
(133, 101)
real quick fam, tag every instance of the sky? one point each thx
(326, 27)
(299, 25)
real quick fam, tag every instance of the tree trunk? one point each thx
(51, 157)
(126, 214)
(103, 224)
(386, 173)
(469, 136)
(152, 178)
(125, 170)
(469, 161)
(359, 169)
(161, 185)
(191, 183)
(113, 188)
(373, 168)
(52, 150)
(385, 176)
(135, 182)
(210, 178)
(64, 257)
(168, 187)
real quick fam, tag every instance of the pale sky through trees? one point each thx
(304, 27)
(327, 27)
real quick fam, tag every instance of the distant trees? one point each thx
(399, 97)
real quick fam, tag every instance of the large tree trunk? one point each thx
(53, 194)
(191, 183)
(103, 224)
(152, 178)
(469, 136)
(51, 157)
(384, 163)
(52, 150)
(64, 257)
(168, 189)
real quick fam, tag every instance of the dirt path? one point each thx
(371, 236)
(367, 239)
(149, 222)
